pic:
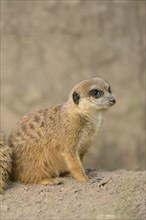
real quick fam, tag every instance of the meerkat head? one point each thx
(92, 95)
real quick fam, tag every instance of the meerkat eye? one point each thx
(109, 89)
(96, 93)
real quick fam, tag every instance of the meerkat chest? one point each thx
(91, 129)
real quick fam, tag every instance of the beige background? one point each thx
(49, 46)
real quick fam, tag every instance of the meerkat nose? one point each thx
(112, 101)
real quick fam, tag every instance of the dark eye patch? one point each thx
(109, 89)
(96, 93)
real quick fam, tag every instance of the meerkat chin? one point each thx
(48, 142)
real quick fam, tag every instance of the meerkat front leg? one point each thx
(75, 166)
(83, 151)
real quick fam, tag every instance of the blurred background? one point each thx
(49, 46)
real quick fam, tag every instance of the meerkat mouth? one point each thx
(105, 106)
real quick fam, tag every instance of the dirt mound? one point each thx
(108, 195)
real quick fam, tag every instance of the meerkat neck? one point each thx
(93, 117)
(100, 118)
(97, 118)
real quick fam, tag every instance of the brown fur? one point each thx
(51, 141)
(5, 162)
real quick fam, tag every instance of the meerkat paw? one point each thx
(83, 179)
(47, 181)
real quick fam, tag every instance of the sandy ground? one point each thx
(108, 195)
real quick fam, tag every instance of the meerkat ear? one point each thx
(76, 97)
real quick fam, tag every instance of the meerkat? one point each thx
(5, 162)
(50, 141)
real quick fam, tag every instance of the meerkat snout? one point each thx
(112, 101)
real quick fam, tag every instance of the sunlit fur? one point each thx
(50, 141)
